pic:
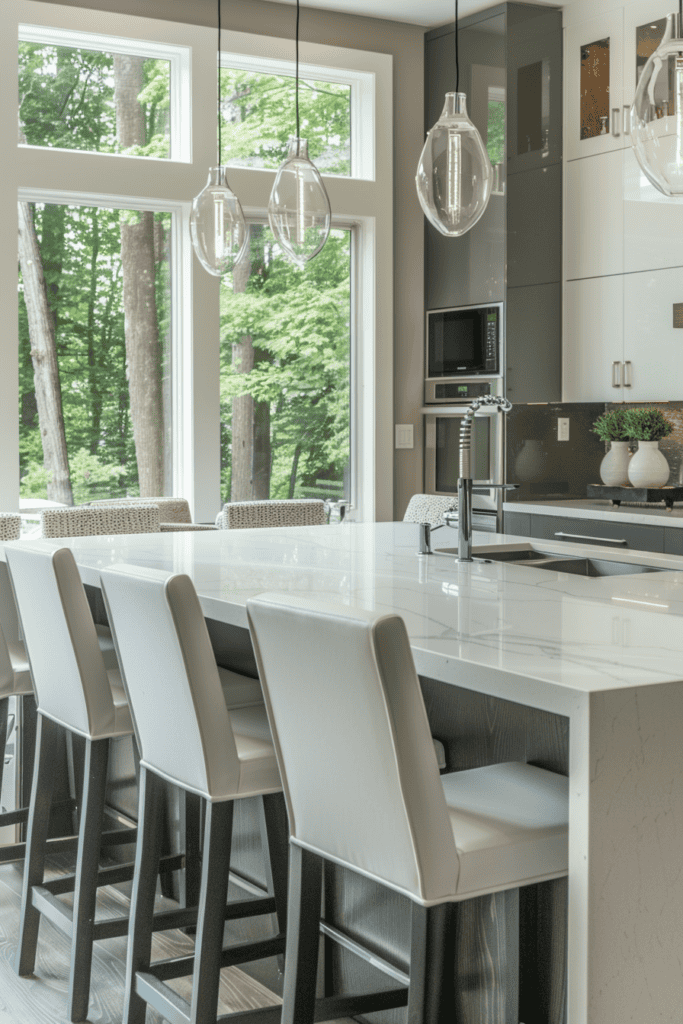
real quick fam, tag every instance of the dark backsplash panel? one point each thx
(547, 469)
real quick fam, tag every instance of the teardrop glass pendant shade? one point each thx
(217, 225)
(454, 176)
(657, 115)
(299, 209)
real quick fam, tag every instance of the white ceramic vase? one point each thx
(648, 467)
(614, 466)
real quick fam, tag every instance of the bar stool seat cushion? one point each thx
(259, 772)
(509, 823)
(22, 682)
(239, 691)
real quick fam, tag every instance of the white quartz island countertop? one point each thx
(605, 652)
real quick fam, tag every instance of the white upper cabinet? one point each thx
(594, 226)
(653, 222)
(594, 82)
(653, 347)
(593, 350)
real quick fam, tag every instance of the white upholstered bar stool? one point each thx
(74, 691)
(188, 736)
(362, 790)
(260, 515)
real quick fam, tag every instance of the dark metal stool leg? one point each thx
(190, 877)
(275, 843)
(47, 740)
(303, 935)
(147, 854)
(211, 921)
(3, 733)
(87, 867)
(431, 997)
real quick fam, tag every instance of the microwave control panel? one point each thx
(491, 354)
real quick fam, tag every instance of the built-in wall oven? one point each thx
(442, 454)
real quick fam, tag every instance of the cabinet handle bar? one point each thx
(616, 374)
(627, 120)
(615, 122)
(627, 374)
(594, 540)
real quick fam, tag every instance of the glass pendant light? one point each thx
(217, 226)
(299, 209)
(454, 176)
(657, 112)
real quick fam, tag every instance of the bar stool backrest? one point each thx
(259, 515)
(353, 742)
(101, 520)
(169, 669)
(69, 676)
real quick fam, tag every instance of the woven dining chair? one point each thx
(261, 515)
(101, 520)
(171, 510)
(429, 508)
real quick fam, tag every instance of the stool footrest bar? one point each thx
(53, 909)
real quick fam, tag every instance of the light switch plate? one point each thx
(404, 435)
(563, 428)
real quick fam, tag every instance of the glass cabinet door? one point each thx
(644, 24)
(594, 62)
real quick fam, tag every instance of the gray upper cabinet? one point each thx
(511, 71)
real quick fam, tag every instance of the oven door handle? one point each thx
(481, 488)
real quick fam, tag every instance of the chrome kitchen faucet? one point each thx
(465, 479)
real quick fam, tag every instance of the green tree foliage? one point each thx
(259, 115)
(496, 132)
(300, 322)
(66, 100)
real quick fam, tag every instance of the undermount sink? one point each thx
(577, 565)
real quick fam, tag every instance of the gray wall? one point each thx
(406, 44)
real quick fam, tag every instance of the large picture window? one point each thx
(285, 373)
(94, 366)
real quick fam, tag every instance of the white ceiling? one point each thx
(416, 12)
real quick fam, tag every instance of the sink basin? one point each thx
(577, 565)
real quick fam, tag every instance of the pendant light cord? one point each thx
(298, 129)
(220, 129)
(457, 55)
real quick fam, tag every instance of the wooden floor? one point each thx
(41, 999)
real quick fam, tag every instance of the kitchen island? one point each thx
(603, 656)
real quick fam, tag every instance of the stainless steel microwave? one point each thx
(464, 341)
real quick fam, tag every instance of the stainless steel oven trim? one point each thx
(500, 306)
(490, 501)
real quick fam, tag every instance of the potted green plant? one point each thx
(611, 428)
(648, 467)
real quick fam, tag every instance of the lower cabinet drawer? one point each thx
(596, 531)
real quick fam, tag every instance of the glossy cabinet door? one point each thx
(653, 222)
(594, 76)
(593, 350)
(594, 226)
(652, 345)
(644, 24)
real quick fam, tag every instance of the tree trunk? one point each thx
(44, 358)
(242, 405)
(251, 444)
(143, 351)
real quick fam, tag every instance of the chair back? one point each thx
(10, 526)
(101, 520)
(69, 675)
(429, 508)
(171, 510)
(169, 670)
(353, 742)
(259, 515)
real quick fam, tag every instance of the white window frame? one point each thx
(83, 178)
(179, 57)
(361, 84)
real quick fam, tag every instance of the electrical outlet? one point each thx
(404, 435)
(563, 428)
